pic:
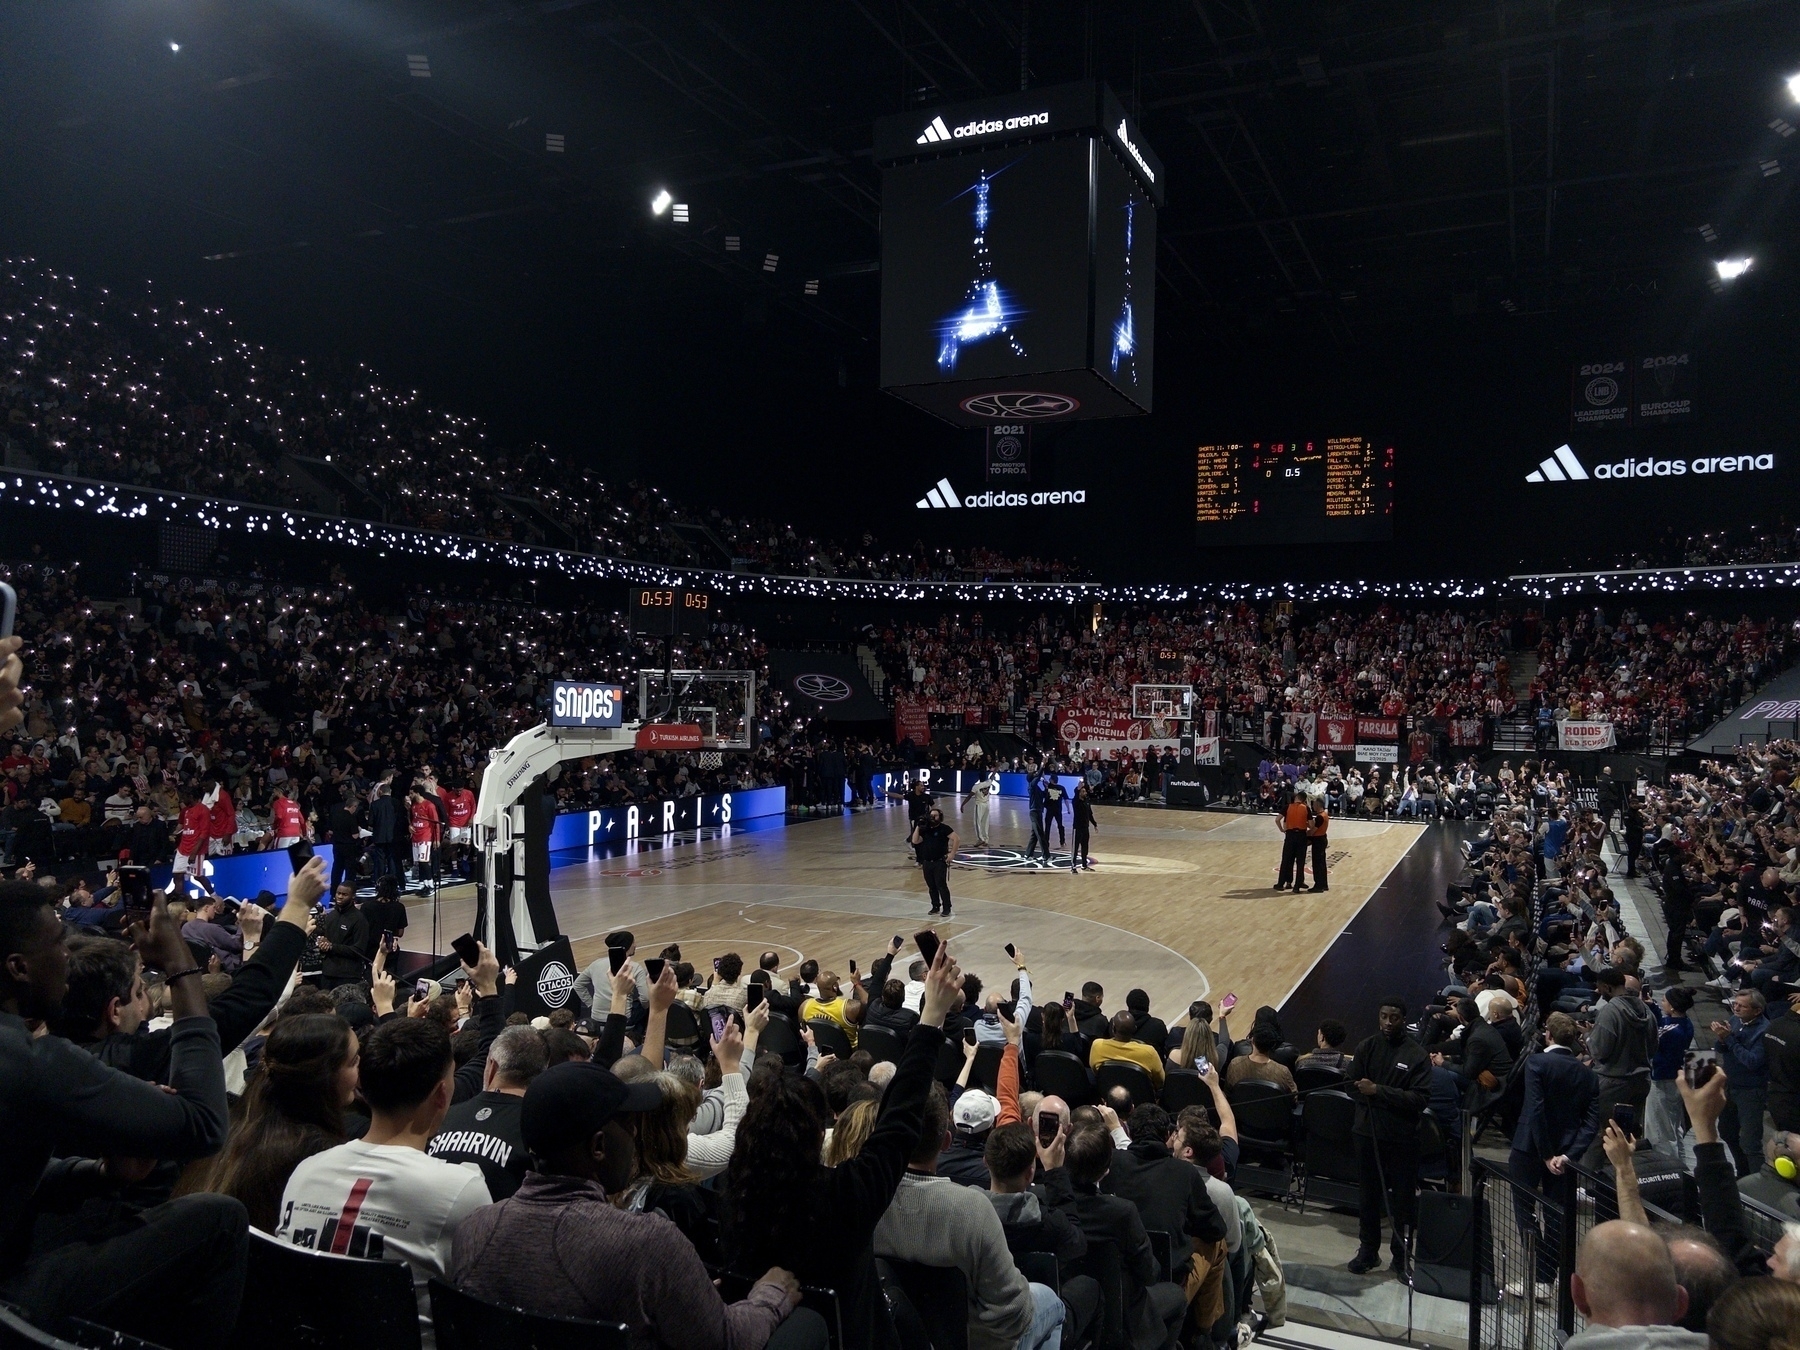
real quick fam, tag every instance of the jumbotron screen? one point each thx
(1337, 489)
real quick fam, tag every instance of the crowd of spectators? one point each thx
(154, 392)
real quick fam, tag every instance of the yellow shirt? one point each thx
(831, 1012)
(1136, 1052)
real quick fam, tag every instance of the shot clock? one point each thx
(667, 611)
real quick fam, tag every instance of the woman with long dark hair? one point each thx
(784, 1207)
(294, 1108)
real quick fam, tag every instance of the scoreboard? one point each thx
(668, 611)
(1337, 489)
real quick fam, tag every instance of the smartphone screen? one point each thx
(1010, 951)
(466, 948)
(389, 943)
(969, 1036)
(1624, 1115)
(615, 957)
(422, 989)
(300, 854)
(1068, 999)
(716, 961)
(720, 1020)
(654, 968)
(753, 997)
(928, 945)
(1049, 1125)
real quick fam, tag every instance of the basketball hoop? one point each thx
(711, 759)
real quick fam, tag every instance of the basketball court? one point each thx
(1179, 902)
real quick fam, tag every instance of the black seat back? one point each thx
(1040, 1268)
(949, 1062)
(831, 1038)
(306, 1300)
(780, 1038)
(18, 1333)
(938, 1294)
(1132, 1077)
(1102, 1264)
(1057, 1073)
(1328, 1148)
(1264, 1110)
(1184, 1088)
(883, 1044)
(683, 1027)
(464, 1322)
(986, 1073)
(1313, 1077)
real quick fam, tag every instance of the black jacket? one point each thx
(1169, 1192)
(344, 826)
(1484, 1050)
(1036, 1220)
(1560, 1114)
(348, 933)
(1117, 1220)
(384, 821)
(57, 1099)
(1402, 1077)
(1090, 1021)
(965, 1162)
(1782, 1041)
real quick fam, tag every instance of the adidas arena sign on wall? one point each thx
(1562, 467)
(943, 497)
(936, 131)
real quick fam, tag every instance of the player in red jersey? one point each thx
(459, 808)
(196, 826)
(223, 813)
(423, 816)
(289, 820)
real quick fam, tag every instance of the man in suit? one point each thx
(1154, 1307)
(346, 846)
(384, 831)
(1559, 1119)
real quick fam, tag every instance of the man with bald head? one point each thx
(1624, 1285)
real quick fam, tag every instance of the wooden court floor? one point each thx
(1179, 902)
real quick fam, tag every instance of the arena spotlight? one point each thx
(661, 201)
(1730, 269)
(1793, 85)
(679, 213)
(174, 46)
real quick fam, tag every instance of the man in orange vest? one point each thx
(1321, 822)
(1296, 819)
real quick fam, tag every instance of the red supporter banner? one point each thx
(974, 717)
(1378, 728)
(1337, 733)
(1112, 733)
(912, 718)
(1571, 735)
(1465, 731)
(670, 736)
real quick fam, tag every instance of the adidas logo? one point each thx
(1559, 468)
(1562, 466)
(937, 131)
(934, 133)
(941, 496)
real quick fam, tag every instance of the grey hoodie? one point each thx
(1623, 1041)
(1636, 1338)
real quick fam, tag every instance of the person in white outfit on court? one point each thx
(981, 796)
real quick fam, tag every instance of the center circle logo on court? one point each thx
(555, 983)
(824, 688)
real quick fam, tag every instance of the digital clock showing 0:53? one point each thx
(668, 610)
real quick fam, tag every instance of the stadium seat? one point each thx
(1329, 1169)
(306, 1300)
(18, 1333)
(1101, 1263)
(883, 1044)
(939, 1295)
(831, 1038)
(1312, 1077)
(986, 1073)
(1266, 1125)
(683, 1028)
(1132, 1077)
(463, 1322)
(1184, 1088)
(780, 1038)
(1057, 1073)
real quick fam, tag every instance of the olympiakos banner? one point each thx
(1337, 733)
(1378, 728)
(1112, 734)
(1465, 731)
(911, 718)
(1584, 735)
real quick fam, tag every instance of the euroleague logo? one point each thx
(555, 982)
(823, 688)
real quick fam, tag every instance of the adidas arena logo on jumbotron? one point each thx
(937, 131)
(1562, 466)
(943, 497)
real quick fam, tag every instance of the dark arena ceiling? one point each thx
(458, 191)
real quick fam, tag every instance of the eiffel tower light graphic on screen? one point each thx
(1124, 343)
(985, 312)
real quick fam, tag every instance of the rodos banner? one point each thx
(1584, 735)
(1377, 728)
(1598, 396)
(1662, 389)
(1337, 733)
(1008, 453)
